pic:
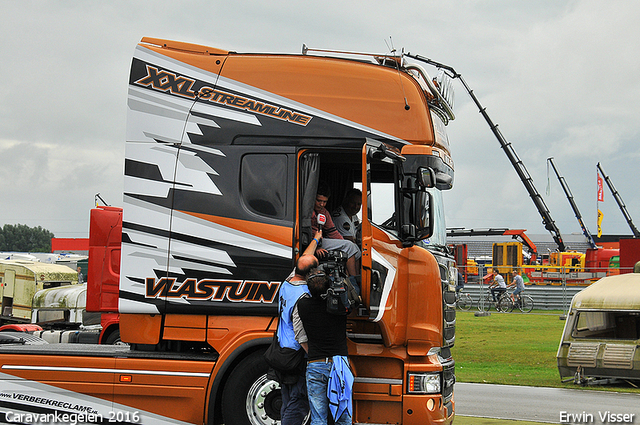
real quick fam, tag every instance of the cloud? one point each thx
(557, 76)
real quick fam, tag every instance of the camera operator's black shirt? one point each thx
(327, 333)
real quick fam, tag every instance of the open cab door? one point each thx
(396, 213)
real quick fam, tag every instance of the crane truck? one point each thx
(512, 156)
(562, 258)
(224, 152)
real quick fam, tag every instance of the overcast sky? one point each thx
(559, 77)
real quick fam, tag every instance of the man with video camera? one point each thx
(324, 336)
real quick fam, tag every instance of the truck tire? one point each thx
(249, 397)
(114, 338)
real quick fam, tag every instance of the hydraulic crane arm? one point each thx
(518, 165)
(567, 192)
(621, 204)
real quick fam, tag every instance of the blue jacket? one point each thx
(340, 387)
(289, 295)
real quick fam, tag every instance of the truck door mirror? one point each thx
(426, 177)
(409, 232)
(423, 215)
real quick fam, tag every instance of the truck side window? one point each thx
(263, 183)
(382, 186)
(382, 200)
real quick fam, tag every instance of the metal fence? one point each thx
(545, 297)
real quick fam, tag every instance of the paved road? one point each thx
(554, 405)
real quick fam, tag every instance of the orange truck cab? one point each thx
(224, 152)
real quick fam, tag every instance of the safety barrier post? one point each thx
(563, 316)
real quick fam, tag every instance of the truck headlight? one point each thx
(423, 383)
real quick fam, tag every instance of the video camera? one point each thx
(334, 264)
(342, 296)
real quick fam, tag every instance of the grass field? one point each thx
(511, 349)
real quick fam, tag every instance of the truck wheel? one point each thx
(249, 398)
(114, 338)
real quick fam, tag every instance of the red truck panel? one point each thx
(105, 238)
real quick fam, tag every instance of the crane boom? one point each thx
(518, 165)
(621, 204)
(567, 192)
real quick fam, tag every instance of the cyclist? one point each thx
(518, 282)
(498, 286)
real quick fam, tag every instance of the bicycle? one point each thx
(464, 301)
(503, 304)
(524, 303)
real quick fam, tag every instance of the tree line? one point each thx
(22, 238)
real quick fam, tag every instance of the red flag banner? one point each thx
(600, 189)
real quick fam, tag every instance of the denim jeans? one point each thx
(497, 292)
(295, 403)
(317, 382)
